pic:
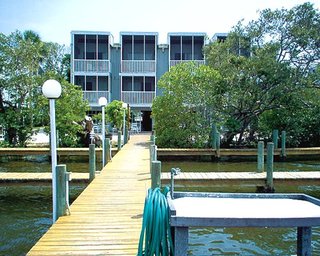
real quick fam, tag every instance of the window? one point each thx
(127, 83)
(91, 47)
(102, 83)
(187, 48)
(175, 48)
(79, 46)
(150, 44)
(91, 83)
(197, 47)
(80, 80)
(149, 84)
(138, 83)
(138, 48)
(103, 47)
(126, 47)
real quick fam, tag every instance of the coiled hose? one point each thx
(155, 234)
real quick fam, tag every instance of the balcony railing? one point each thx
(176, 62)
(94, 66)
(93, 96)
(138, 66)
(138, 98)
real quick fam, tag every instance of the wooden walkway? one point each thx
(106, 218)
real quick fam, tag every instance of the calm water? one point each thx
(25, 211)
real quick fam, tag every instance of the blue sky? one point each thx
(54, 19)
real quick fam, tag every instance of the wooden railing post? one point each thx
(275, 135)
(62, 195)
(119, 140)
(270, 150)
(260, 156)
(155, 174)
(108, 150)
(92, 162)
(283, 144)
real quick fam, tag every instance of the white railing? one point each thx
(176, 62)
(138, 98)
(95, 66)
(138, 66)
(93, 96)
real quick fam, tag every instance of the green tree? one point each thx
(25, 63)
(187, 109)
(266, 66)
(114, 113)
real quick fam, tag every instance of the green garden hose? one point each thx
(155, 237)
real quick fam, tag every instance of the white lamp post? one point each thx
(51, 89)
(124, 105)
(103, 102)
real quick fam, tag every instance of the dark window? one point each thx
(149, 84)
(127, 47)
(198, 45)
(127, 83)
(79, 46)
(187, 48)
(150, 43)
(103, 83)
(91, 47)
(80, 80)
(138, 83)
(91, 83)
(138, 48)
(103, 43)
(175, 48)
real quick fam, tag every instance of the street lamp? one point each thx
(103, 102)
(124, 105)
(51, 89)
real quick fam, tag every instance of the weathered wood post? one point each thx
(270, 149)
(108, 150)
(218, 144)
(275, 135)
(125, 137)
(62, 195)
(260, 156)
(92, 162)
(153, 154)
(214, 136)
(119, 140)
(155, 174)
(283, 145)
(304, 241)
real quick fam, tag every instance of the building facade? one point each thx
(129, 70)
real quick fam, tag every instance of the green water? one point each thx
(26, 211)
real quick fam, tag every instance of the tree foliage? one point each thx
(186, 111)
(114, 113)
(25, 63)
(269, 67)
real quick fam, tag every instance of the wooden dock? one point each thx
(106, 218)
(242, 176)
(233, 152)
(37, 177)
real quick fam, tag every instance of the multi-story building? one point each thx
(129, 70)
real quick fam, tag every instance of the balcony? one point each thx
(93, 96)
(138, 98)
(92, 66)
(176, 62)
(138, 66)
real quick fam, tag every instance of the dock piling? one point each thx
(283, 145)
(155, 174)
(119, 140)
(260, 156)
(275, 135)
(108, 150)
(62, 191)
(270, 152)
(92, 162)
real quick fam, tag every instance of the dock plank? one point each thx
(106, 218)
